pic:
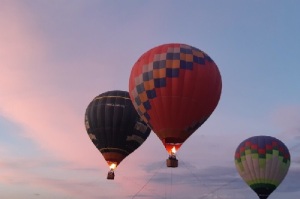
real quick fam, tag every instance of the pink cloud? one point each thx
(48, 98)
(30, 98)
(48, 102)
(39, 175)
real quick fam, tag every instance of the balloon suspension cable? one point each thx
(137, 193)
(111, 173)
(171, 182)
(172, 160)
(201, 182)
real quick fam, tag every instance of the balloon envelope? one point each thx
(175, 88)
(114, 126)
(262, 162)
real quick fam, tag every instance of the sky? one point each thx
(56, 56)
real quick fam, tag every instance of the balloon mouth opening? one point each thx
(112, 165)
(173, 151)
(263, 190)
(111, 173)
(172, 145)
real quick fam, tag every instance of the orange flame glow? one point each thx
(173, 150)
(113, 166)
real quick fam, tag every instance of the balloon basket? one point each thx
(111, 175)
(172, 162)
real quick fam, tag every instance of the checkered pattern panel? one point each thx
(165, 65)
(252, 147)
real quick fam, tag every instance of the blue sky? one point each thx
(56, 56)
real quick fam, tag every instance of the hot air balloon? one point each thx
(114, 127)
(174, 88)
(262, 162)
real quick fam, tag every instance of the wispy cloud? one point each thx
(30, 98)
(52, 65)
(43, 174)
(291, 181)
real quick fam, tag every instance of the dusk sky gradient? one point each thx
(56, 56)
